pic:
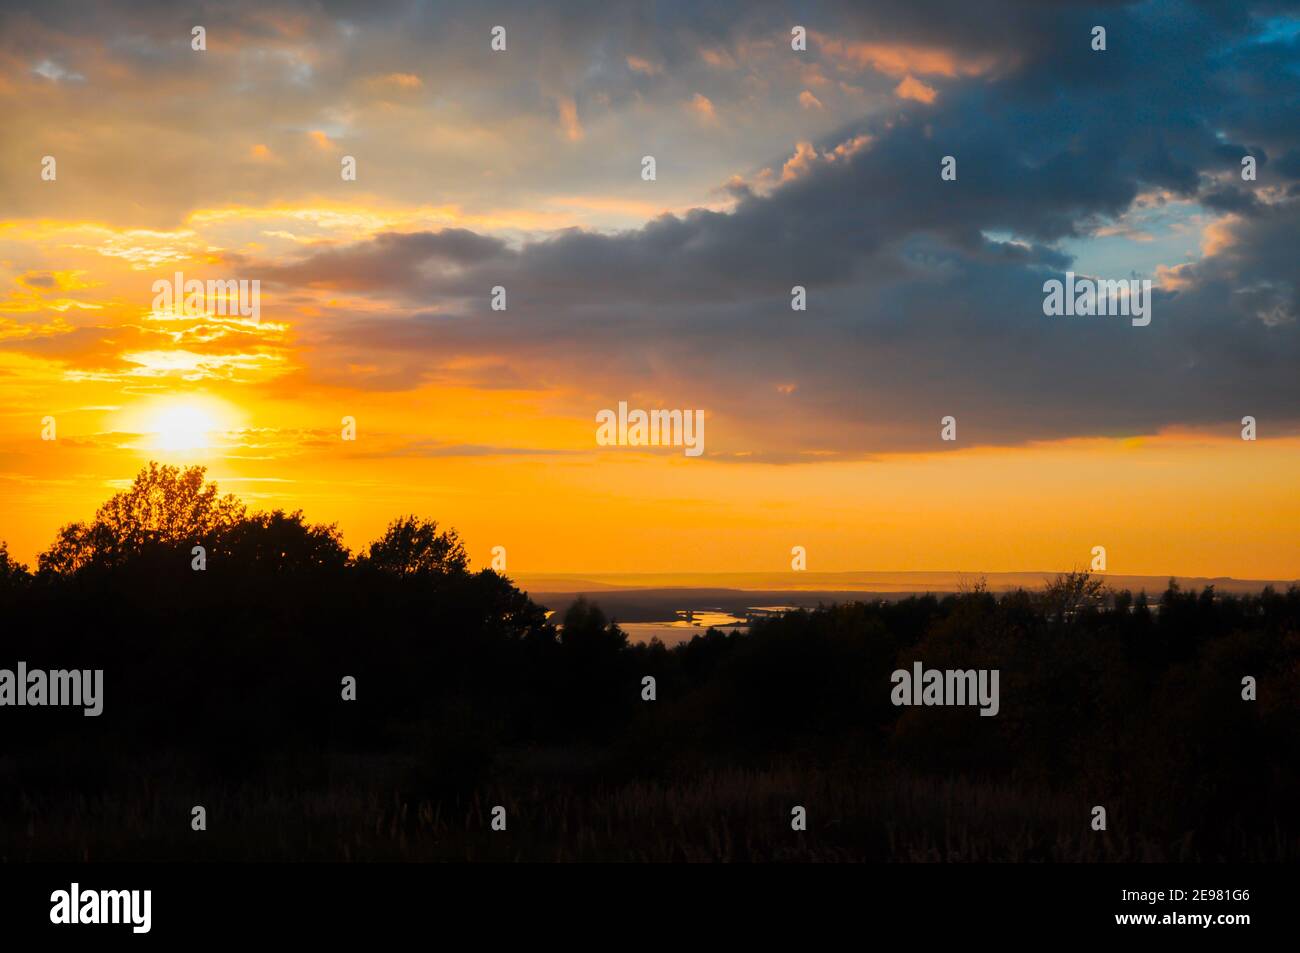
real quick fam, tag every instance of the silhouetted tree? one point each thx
(12, 572)
(280, 542)
(597, 687)
(1072, 592)
(233, 676)
(412, 546)
(164, 505)
(586, 629)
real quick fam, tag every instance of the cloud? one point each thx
(56, 73)
(899, 60)
(914, 311)
(435, 449)
(391, 261)
(808, 101)
(702, 106)
(638, 65)
(924, 296)
(911, 88)
(397, 81)
(569, 119)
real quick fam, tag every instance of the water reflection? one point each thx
(692, 622)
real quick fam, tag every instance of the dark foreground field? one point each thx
(714, 815)
(223, 688)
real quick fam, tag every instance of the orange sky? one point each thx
(488, 425)
(1172, 504)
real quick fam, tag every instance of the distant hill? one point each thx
(881, 583)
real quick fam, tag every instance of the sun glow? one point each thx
(182, 425)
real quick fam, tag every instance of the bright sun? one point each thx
(182, 427)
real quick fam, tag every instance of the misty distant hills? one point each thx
(642, 597)
(882, 583)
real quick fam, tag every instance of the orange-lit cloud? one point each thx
(808, 101)
(899, 60)
(911, 88)
(1218, 235)
(569, 122)
(702, 106)
(639, 65)
(400, 81)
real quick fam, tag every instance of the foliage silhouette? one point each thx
(163, 506)
(412, 546)
(225, 684)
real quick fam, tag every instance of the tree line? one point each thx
(235, 672)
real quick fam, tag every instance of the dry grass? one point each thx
(717, 816)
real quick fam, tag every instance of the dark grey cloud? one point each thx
(914, 311)
(391, 261)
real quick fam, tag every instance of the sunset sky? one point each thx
(775, 168)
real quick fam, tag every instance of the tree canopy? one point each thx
(164, 505)
(415, 547)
